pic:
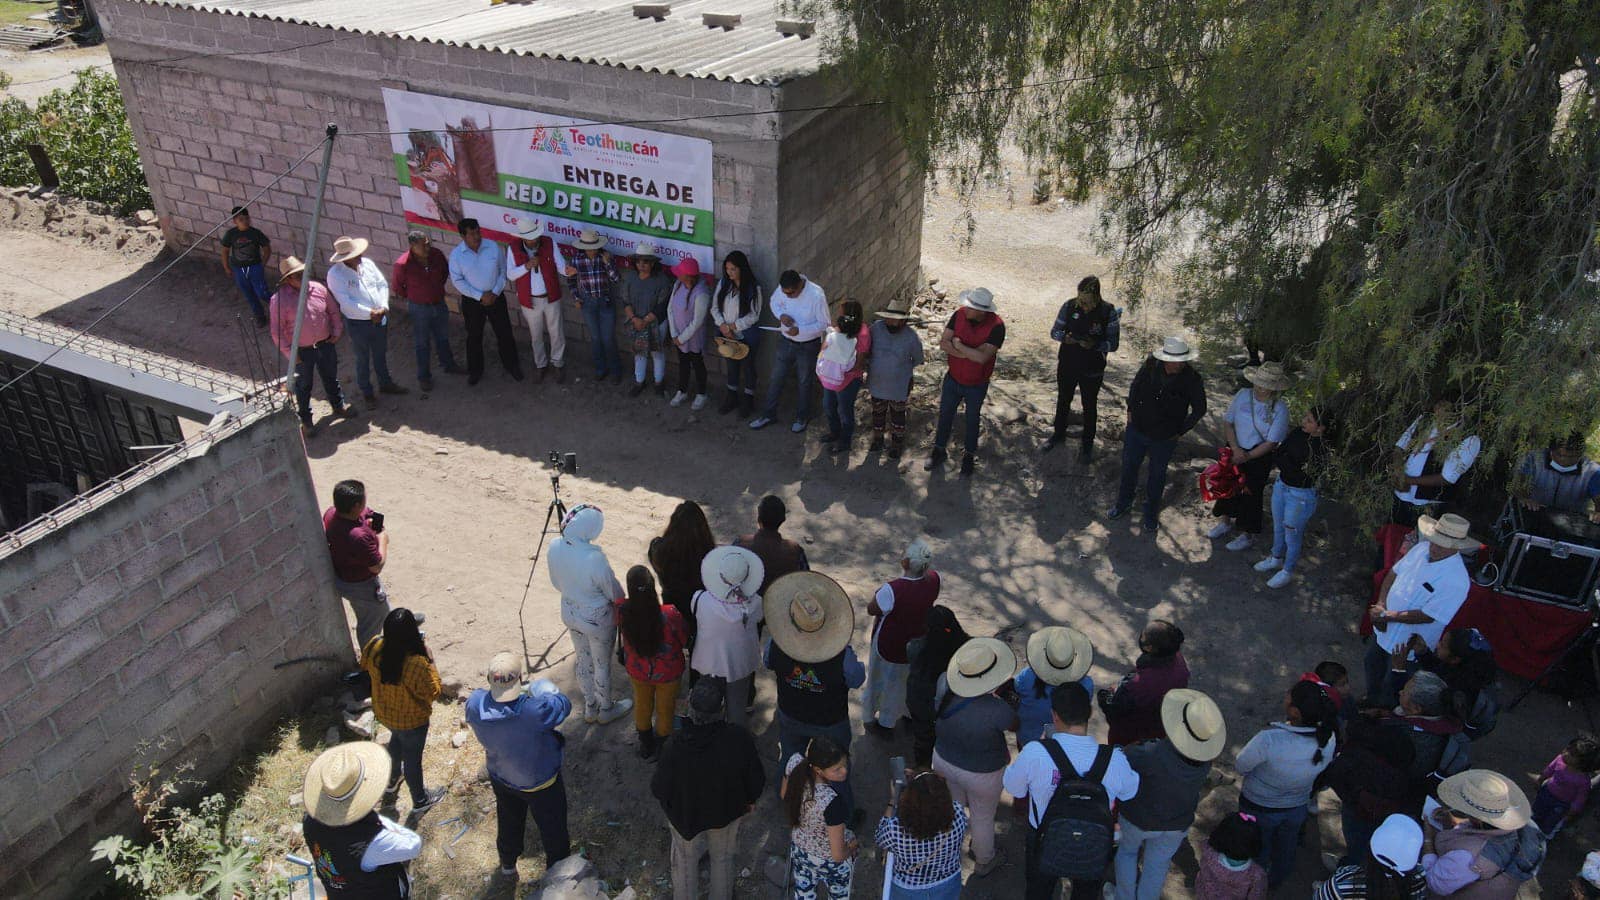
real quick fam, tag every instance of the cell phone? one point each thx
(375, 522)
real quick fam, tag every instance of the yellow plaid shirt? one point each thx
(408, 704)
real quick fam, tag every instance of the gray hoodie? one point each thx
(580, 571)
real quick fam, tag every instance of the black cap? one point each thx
(705, 698)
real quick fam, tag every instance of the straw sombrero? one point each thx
(1269, 376)
(348, 248)
(979, 666)
(589, 239)
(809, 616)
(1060, 655)
(291, 265)
(346, 782)
(1487, 796)
(1449, 530)
(728, 348)
(1193, 724)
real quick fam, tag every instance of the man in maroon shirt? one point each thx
(358, 547)
(418, 278)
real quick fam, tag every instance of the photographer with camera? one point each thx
(589, 591)
(359, 548)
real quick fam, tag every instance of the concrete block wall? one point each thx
(158, 616)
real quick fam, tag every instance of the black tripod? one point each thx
(557, 510)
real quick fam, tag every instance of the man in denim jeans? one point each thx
(245, 254)
(1166, 400)
(363, 296)
(801, 308)
(418, 278)
(590, 277)
(971, 341)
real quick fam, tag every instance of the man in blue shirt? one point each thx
(477, 269)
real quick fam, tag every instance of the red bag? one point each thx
(1222, 479)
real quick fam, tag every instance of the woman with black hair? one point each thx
(676, 554)
(1088, 329)
(736, 313)
(1391, 871)
(1300, 460)
(1133, 708)
(1280, 765)
(928, 656)
(822, 850)
(654, 639)
(405, 683)
(839, 367)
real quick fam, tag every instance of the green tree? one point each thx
(84, 129)
(1399, 197)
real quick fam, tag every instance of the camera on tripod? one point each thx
(564, 463)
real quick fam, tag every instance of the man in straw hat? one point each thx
(580, 571)
(477, 269)
(899, 611)
(357, 852)
(971, 341)
(1056, 655)
(319, 335)
(810, 620)
(1069, 753)
(533, 266)
(1172, 774)
(363, 294)
(892, 366)
(801, 308)
(1255, 424)
(1480, 841)
(970, 749)
(590, 277)
(1419, 596)
(418, 278)
(1166, 400)
(517, 728)
(646, 289)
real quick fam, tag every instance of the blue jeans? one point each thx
(949, 889)
(431, 322)
(1357, 836)
(322, 359)
(602, 321)
(405, 758)
(840, 408)
(1159, 848)
(252, 282)
(802, 357)
(1135, 447)
(742, 372)
(1292, 508)
(953, 394)
(1280, 838)
(371, 342)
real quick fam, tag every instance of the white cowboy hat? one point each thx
(728, 348)
(346, 782)
(291, 265)
(1060, 655)
(1175, 349)
(809, 616)
(1268, 376)
(1193, 724)
(348, 248)
(528, 229)
(505, 677)
(589, 239)
(979, 666)
(1487, 796)
(978, 298)
(646, 249)
(1449, 530)
(728, 568)
(897, 309)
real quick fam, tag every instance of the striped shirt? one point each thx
(1350, 883)
(922, 863)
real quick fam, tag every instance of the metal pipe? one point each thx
(310, 257)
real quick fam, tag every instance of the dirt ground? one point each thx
(461, 478)
(39, 72)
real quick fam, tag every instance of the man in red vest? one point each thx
(533, 265)
(899, 612)
(971, 340)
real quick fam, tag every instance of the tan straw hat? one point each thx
(809, 616)
(290, 265)
(1060, 655)
(979, 666)
(346, 782)
(645, 249)
(727, 569)
(1489, 797)
(1449, 530)
(728, 348)
(505, 677)
(1193, 724)
(589, 239)
(528, 229)
(1269, 376)
(348, 248)
(1175, 349)
(897, 309)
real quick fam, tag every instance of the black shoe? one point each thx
(967, 464)
(1086, 455)
(661, 390)
(830, 437)
(472, 380)
(838, 447)
(345, 411)
(936, 459)
(418, 810)
(561, 374)
(730, 402)
(392, 388)
(637, 389)
(371, 400)
(747, 406)
(894, 452)
(1117, 512)
(308, 428)
(517, 373)
(454, 370)
(426, 384)
(1151, 526)
(1054, 442)
(876, 444)
(647, 744)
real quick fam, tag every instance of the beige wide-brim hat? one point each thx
(346, 782)
(1060, 655)
(1449, 530)
(809, 616)
(348, 248)
(1487, 796)
(1175, 349)
(978, 298)
(528, 230)
(728, 348)
(646, 250)
(1269, 376)
(897, 309)
(291, 265)
(727, 568)
(979, 666)
(1193, 724)
(589, 239)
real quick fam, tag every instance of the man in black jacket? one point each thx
(709, 775)
(1166, 400)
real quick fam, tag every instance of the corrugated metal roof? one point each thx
(603, 32)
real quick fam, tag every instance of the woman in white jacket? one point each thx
(580, 571)
(736, 312)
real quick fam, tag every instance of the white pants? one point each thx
(980, 793)
(543, 318)
(884, 696)
(593, 644)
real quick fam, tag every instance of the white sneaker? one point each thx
(1218, 530)
(1268, 564)
(617, 711)
(1242, 542)
(1279, 579)
(678, 398)
(699, 403)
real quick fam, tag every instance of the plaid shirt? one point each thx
(408, 704)
(595, 276)
(918, 863)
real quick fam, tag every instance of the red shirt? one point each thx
(668, 663)
(353, 546)
(420, 281)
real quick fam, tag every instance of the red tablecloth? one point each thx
(1526, 636)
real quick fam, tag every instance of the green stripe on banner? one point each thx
(402, 170)
(620, 211)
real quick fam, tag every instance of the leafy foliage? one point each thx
(84, 128)
(1403, 199)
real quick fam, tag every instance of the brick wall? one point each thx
(158, 615)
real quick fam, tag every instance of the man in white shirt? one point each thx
(801, 308)
(1032, 778)
(533, 267)
(363, 294)
(1424, 477)
(478, 270)
(1419, 596)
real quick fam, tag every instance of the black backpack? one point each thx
(1074, 834)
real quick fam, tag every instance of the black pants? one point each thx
(1245, 507)
(499, 319)
(549, 810)
(1038, 886)
(922, 739)
(324, 359)
(691, 364)
(1073, 377)
(405, 760)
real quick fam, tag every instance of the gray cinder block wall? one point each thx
(158, 616)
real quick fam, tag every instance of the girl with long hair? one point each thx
(924, 830)
(654, 638)
(822, 849)
(1280, 765)
(736, 315)
(405, 682)
(928, 657)
(840, 365)
(1391, 870)
(676, 556)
